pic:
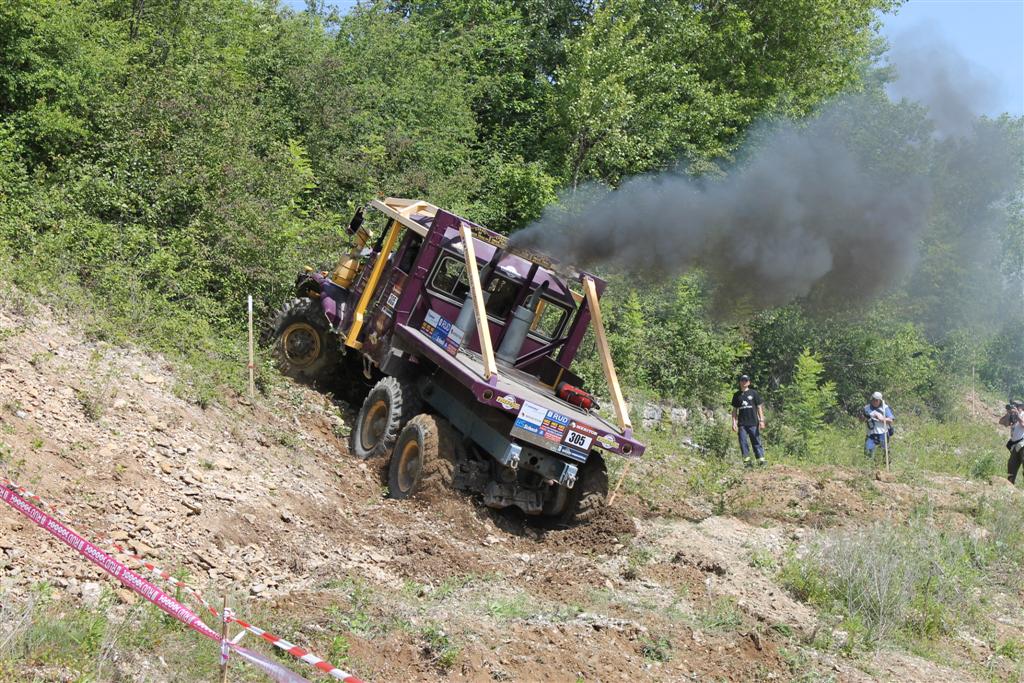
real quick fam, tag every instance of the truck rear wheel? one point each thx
(424, 459)
(584, 501)
(386, 409)
(304, 346)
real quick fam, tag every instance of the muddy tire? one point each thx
(304, 346)
(587, 498)
(386, 409)
(424, 459)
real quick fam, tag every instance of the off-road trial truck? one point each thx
(514, 424)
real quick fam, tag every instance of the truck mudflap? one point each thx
(333, 299)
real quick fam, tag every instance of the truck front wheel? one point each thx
(424, 459)
(304, 346)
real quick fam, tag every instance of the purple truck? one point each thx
(484, 404)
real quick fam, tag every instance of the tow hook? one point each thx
(510, 458)
(568, 476)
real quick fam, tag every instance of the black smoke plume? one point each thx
(824, 207)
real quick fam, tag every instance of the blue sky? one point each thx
(989, 34)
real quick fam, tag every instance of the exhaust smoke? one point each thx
(833, 207)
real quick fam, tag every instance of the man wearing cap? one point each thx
(1014, 419)
(879, 418)
(748, 420)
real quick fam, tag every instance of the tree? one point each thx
(652, 85)
(805, 403)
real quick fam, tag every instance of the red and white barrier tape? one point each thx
(164, 575)
(298, 652)
(12, 494)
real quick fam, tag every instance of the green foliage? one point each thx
(1004, 358)
(159, 163)
(664, 342)
(806, 401)
(721, 615)
(891, 584)
(657, 649)
(715, 437)
(440, 647)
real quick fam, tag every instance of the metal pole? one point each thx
(885, 442)
(224, 636)
(252, 366)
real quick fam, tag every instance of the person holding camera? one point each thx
(879, 418)
(1014, 419)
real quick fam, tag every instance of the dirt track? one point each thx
(263, 501)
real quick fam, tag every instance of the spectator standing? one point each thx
(1014, 419)
(879, 418)
(748, 420)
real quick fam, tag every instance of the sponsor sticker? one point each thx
(535, 420)
(583, 429)
(508, 402)
(607, 442)
(392, 300)
(577, 440)
(572, 453)
(441, 332)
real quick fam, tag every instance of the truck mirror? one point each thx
(356, 222)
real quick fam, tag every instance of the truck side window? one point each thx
(503, 295)
(549, 321)
(450, 279)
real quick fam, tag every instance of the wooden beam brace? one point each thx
(358, 318)
(482, 330)
(604, 353)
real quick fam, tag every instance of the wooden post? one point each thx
(604, 353)
(476, 289)
(622, 478)
(223, 642)
(252, 365)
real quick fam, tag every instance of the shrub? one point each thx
(890, 583)
(806, 400)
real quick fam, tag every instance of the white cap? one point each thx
(877, 396)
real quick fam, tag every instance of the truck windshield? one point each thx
(449, 281)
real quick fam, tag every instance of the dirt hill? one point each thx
(262, 502)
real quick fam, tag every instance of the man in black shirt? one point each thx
(748, 420)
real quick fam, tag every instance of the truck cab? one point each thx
(485, 403)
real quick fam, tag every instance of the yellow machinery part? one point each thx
(345, 272)
(348, 265)
(352, 339)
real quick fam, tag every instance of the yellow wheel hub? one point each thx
(409, 464)
(374, 424)
(300, 344)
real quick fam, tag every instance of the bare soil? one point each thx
(263, 502)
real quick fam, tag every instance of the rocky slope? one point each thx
(262, 502)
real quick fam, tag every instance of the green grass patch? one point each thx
(906, 585)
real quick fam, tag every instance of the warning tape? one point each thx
(166, 576)
(15, 495)
(298, 652)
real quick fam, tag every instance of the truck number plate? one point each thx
(577, 440)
